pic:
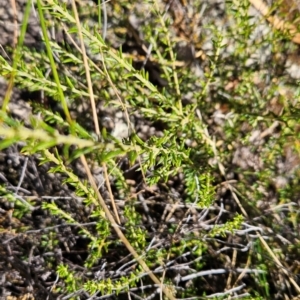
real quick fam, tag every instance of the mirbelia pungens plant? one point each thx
(165, 162)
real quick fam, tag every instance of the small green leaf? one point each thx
(132, 155)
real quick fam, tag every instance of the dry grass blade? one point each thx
(87, 70)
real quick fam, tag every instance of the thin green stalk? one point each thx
(17, 56)
(52, 64)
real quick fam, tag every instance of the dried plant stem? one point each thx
(277, 22)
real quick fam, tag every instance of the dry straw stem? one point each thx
(167, 291)
(277, 261)
(276, 22)
(87, 69)
(92, 99)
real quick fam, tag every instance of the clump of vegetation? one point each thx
(164, 144)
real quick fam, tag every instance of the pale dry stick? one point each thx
(220, 212)
(166, 290)
(87, 70)
(36, 174)
(22, 174)
(5, 53)
(20, 183)
(269, 131)
(277, 261)
(233, 259)
(219, 271)
(54, 285)
(167, 216)
(110, 193)
(245, 268)
(233, 290)
(275, 21)
(73, 295)
(104, 32)
(236, 199)
(145, 207)
(24, 201)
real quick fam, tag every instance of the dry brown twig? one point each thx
(276, 22)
